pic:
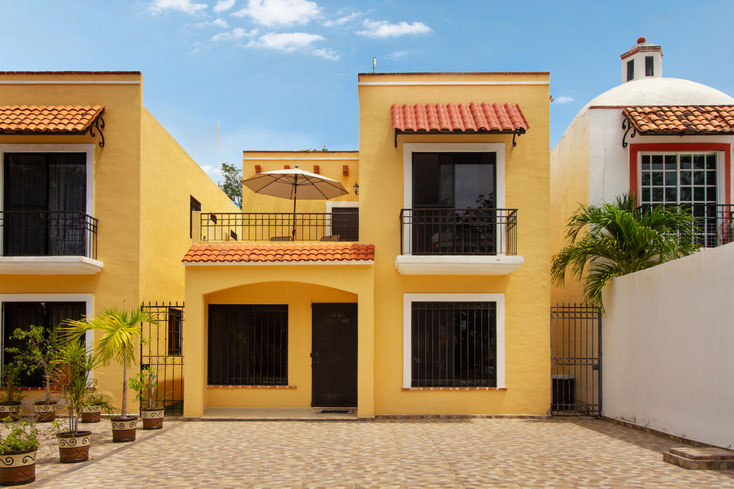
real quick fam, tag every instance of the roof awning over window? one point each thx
(474, 118)
(681, 119)
(52, 119)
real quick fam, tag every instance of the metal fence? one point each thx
(278, 226)
(162, 349)
(48, 233)
(442, 231)
(576, 377)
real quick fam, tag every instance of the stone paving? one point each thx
(436, 453)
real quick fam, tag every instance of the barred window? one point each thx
(175, 331)
(454, 344)
(248, 345)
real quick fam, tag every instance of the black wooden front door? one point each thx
(334, 355)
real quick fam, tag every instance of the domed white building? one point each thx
(666, 140)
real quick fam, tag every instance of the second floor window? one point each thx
(44, 204)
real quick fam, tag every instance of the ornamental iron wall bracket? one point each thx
(99, 124)
(626, 126)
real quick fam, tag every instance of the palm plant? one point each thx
(120, 339)
(71, 376)
(618, 239)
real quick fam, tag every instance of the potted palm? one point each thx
(119, 339)
(10, 404)
(71, 376)
(18, 453)
(38, 350)
(146, 386)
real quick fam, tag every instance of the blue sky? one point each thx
(281, 74)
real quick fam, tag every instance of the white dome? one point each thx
(659, 91)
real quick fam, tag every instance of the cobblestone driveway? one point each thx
(476, 453)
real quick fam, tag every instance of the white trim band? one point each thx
(49, 265)
(274, 158)
(451, 83)
(457, 264)
(67, 82)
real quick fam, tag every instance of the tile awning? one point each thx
(48, 119)
(277, 253)
(681, 119)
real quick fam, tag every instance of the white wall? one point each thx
(668, 347)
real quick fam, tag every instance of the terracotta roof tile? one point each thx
(42, 119)
(286, 252)
(685, 119)
(474, 117)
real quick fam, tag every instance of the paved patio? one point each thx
(458, 453)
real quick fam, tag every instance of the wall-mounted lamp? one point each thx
(356, 189)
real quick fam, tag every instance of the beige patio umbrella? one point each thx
(295, 184)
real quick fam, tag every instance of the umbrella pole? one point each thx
(295, 197)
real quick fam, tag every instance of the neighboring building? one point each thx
(437, 304)
(96, 200)
(665, 140)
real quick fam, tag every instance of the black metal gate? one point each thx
(576, 360)
(162, 349)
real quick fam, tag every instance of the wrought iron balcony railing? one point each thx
(48, 233)
(442, 231)
(714, 223)
(278, 226)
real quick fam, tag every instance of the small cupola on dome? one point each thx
(644, 60)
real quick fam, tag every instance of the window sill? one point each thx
(49, 265)
(457, 264)
(252, 387)
(454, 388)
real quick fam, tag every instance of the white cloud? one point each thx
(382, 29)
(185, 6)
(279, 12)
(563, 100)
(236, 33)
(223, 5)
(221, 23)
(397, 54)
(342, 20)
(289, 42)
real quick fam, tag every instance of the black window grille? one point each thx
(630, 69)
(175, 327)
(454, 344)
(649, 66)
(22, 314)
(345, 223)
(194, 206)
(248, 345)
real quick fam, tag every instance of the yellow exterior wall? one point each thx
(527, 290)
(298, 297)
(569, 190)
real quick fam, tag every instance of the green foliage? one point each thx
(23, 437)
(232, 184)
(145, 384)
(97, 399)
(38, 350)
(120, 338)
(11, 382)
(71, 375)
(614, 239)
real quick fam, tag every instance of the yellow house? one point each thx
(96, 203)
(424, 290)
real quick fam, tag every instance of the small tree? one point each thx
(120, 339)
(146, 386)
(616, 239)
(38, 351)
(71, 374)
(11, 382)
(232, 184)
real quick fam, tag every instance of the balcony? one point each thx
(48, 242)
(278, 226)
(714, 223)
(444, 241)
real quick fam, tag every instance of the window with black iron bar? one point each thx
(175, 331)
(454, 344)
(248, 345)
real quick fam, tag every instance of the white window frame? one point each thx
(341, 204)
(50, 148)
(88, 299)
(410, 148)
(720, 167)
(408, 299)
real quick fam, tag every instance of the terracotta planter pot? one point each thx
(17, 468)
(45, 413)
(91, 414)
(152, 418)
(123, 429)
(12, 410)
(74, 447)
